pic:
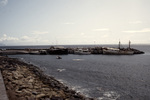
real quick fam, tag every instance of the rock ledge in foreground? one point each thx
(27, 82)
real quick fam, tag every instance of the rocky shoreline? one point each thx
(27, 82)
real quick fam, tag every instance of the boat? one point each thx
(82, 52)
(115, 51)
(60, 70)
(43, 52)
(58, 57)
(118, 51)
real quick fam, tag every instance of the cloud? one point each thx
(136, 22)
(69, 23)
(30, 39)
(101, 29)
(7, 38)
(105, 36)
(24, 40)
(3, 2)
(33, 40)
(82, 34)
(138, 31)
(39, 32)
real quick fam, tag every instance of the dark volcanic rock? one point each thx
(27, 82)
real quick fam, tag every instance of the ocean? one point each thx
(105, 77)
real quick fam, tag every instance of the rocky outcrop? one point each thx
(27, 82)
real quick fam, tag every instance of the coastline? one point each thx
(27, 82)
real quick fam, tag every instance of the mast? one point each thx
(119, 44)
(129, 44)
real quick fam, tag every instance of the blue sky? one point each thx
(57, 22)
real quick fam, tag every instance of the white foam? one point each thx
(61, 81)
(60, 70)
(78, 59)
(109, 95)
(81, 90)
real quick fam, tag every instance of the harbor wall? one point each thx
(59, 51)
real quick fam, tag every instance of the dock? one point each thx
(60, 51)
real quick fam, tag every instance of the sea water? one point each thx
(105, 77)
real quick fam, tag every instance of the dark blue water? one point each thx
(105, 77)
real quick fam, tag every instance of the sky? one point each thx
(71, 22)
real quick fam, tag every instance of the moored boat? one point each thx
(82, 52)
(43, 52)
(118, 51)
(58, 57)
(115, 51)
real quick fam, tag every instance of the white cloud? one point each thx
(135, 22)
(3, 2)
(69, 23)
(105, 36)
(82, 34)
(30, 39)
(39, 32)
(4, 35)
(138, 31)
(101, 29)
(33, 40)
(7, 38)
(25, 40)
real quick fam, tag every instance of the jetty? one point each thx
(63, 51)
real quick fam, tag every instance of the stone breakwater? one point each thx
(27, 82)
(58, 51)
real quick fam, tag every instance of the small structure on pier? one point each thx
(57, 50)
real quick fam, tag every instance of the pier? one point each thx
(60, 51)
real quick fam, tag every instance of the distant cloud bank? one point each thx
(7, 38)
(138, 31)
(39, 32)
(136, 22)
(69, 23)
(102, 29)
(28, 40)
